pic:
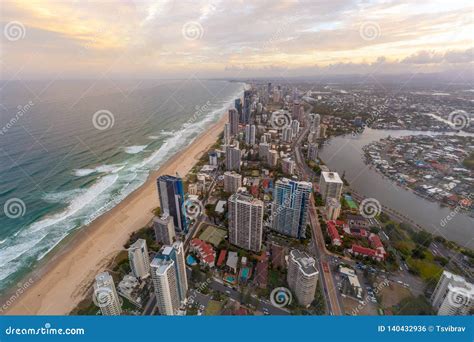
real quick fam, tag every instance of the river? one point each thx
(345, 153)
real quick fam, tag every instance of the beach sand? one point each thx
(64, 281)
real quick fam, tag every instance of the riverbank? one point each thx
(59, 285)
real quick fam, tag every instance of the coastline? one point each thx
(60, 283)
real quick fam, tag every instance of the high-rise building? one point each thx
(245, 221)
(233, 157)
(164, 229)
(287, 134)
(253, 131)
(169, 278)
(232, 181)
(312, 152)
(295, 126)
(139, 259)
(453, 295)
(290, 207)
(330, 185)
(105, 296)
(322, 131)
(227, 135)
(263, 150)
(288, 166)
(272, 159)
(171, 193)
(333, 209)
(247, 106)
(234, 121)
(315, 123)
(213, 158)
(296, 113)
(238, 106)
(163, 274)
(302, 276)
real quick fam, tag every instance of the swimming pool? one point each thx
(190, 260)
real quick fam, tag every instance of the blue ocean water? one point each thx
(72, 150)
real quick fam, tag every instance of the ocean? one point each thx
(72, 150)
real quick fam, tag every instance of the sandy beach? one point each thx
(63, 282)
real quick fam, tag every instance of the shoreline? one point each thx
(62, 281)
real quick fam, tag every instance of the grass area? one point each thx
(213, 235)
(213, 308)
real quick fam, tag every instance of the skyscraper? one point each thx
(330, 185)
(453, 295)
(232, 158)
(290, 207)
(164, 229)
(105, 296)
(139, 259)
(245, 221)
(169, 278)
(263, 150)
(312, 152)
(253, 131)
(295, 126)
(247, 106)
(302, 276)
(227, 135)
(171, 193)
(238, 107)
(164, 278)
(232, 181)
(234, 121)
(287, 134)
(288, 166)
(250, 134)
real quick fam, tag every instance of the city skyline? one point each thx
(170, 39)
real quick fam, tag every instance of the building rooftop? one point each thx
(331, 177)
(306, 262)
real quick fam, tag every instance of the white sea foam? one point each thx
(153, 137)
(38, 239)
(99, 169)
(135, 149)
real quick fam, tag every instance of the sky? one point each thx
(210, 38)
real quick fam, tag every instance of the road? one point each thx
(319, 248)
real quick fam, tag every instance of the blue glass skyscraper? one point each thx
(171, 194)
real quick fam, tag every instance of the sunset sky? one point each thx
(145, 38)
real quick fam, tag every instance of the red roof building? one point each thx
(204, 251)
(261, 274)
(333, 233)
(368, 252)
(221, 259)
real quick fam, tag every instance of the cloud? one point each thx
(137, 37)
